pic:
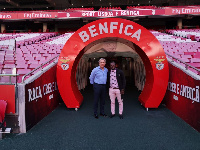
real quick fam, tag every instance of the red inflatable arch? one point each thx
(151, 53)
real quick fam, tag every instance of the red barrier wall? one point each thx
(41, 97)
(8, 94)
(182, 96)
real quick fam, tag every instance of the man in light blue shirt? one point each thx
(98, 78)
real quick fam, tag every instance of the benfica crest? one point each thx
(159, 64)
(64, 65)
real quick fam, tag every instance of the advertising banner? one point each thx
(182, 96)
(164, 11)
(8, 15)
(182, 10)
(37, 15)
(112, 13)
(8, 94)
(41, 97)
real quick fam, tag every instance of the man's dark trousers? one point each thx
(99, 93)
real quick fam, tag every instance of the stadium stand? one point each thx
(193, 34)
(182, 48)
(30, 54)
(34, 49)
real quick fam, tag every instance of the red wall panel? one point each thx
(182, 96)
(8, 94)
(41, 97)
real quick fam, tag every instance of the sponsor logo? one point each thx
(191, 93)
(68, 15)
(159, 64)
(64, 65)
(38, 92)
(175, 97)
(153, 12)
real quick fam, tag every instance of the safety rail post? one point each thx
(21, 96)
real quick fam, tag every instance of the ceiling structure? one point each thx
(14, 5)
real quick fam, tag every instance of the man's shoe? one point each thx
(96, 116)
(120, 116)
(104, 115)
(112, 116)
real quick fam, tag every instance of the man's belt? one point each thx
(99, 84)
(115, 88)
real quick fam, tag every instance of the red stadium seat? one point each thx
(22, 66)
(7, 66)
(197, 65)
(195, 60)
(3, 105)
(33, 66)
(23, 71)
(196, 55)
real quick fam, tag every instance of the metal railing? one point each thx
(10, 75)
(186, 65)
(41, 66)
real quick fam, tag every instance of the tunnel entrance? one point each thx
(112, 49)
(127, 65)
(123, 31)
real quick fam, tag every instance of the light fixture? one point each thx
(85, 21)
(135, 19)
(82, 6)
(72, 4)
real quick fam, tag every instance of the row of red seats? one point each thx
(109, 8)
(28, 57)
(141, 7)
(181, 48)
(79, 9)
(29, 31)
(193, 34)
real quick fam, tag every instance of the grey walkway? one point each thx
(66, 129)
